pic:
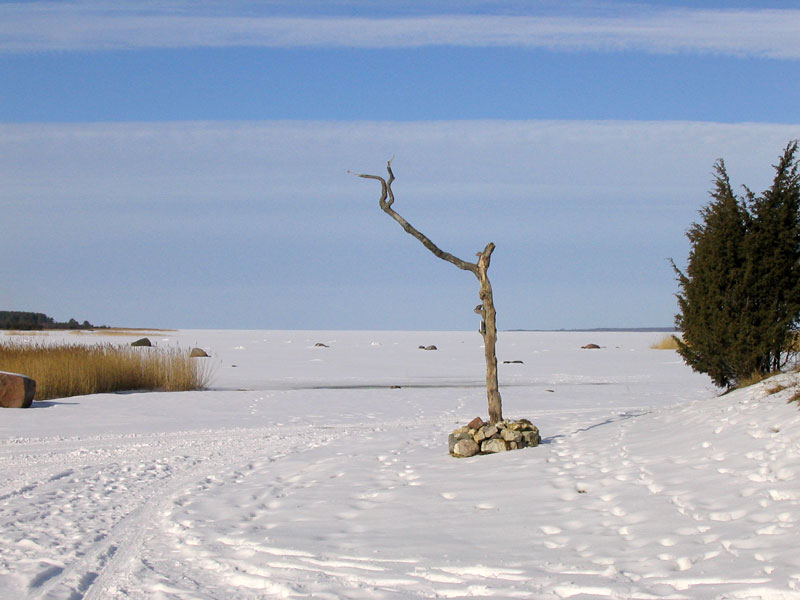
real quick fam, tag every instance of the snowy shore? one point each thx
(305, 472)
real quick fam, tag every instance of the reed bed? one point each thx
(64, 369)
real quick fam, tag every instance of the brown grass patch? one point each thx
(777, 388)
(63, 370)
(753, 379)
(668, 342)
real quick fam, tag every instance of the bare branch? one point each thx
(387, 199)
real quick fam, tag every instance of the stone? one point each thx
(198, 353)
(521, 425)
(142, 342)
(493, 446)
(465, 448)
(16, 391)
(457, 436)
(321, 345)
(431, 347)
(531, 438)
(590, 347)
(513, 362)
(492, 438)
(476, 423)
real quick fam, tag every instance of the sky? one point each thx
(185, 164)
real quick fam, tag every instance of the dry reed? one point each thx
(63, 370)
(668, 342)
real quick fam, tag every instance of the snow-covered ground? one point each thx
(303, 473)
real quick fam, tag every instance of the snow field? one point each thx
(302, 474)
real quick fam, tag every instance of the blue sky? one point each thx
(184, 164)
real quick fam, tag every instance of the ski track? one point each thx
(101, 497)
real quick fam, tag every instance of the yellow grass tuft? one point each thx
(753, 379)
(667, 342)
(62, 370)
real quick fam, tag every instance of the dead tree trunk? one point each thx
(479, 268)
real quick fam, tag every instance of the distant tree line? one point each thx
(32, 321)
(739, 296)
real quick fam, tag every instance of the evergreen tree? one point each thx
(773, 272)
(712, 293)
(739, 298)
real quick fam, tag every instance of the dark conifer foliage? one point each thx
(739, 297)
(773, 273)
(712, 291)
(27, 321)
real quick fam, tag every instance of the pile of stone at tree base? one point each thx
(479, 437)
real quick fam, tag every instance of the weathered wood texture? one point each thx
(479, 268)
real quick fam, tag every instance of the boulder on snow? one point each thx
(142, 342)
(465, 448)
(16, 391)
(590, 347)
(198, 353)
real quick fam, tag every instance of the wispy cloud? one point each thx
(27, 27)
(584, 214)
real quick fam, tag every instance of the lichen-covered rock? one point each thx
(520, 425)
(531, 438)
(198, 353)
(16, 391)
(459, 434)
(493, 446)
(510, 435)
(465, 448)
